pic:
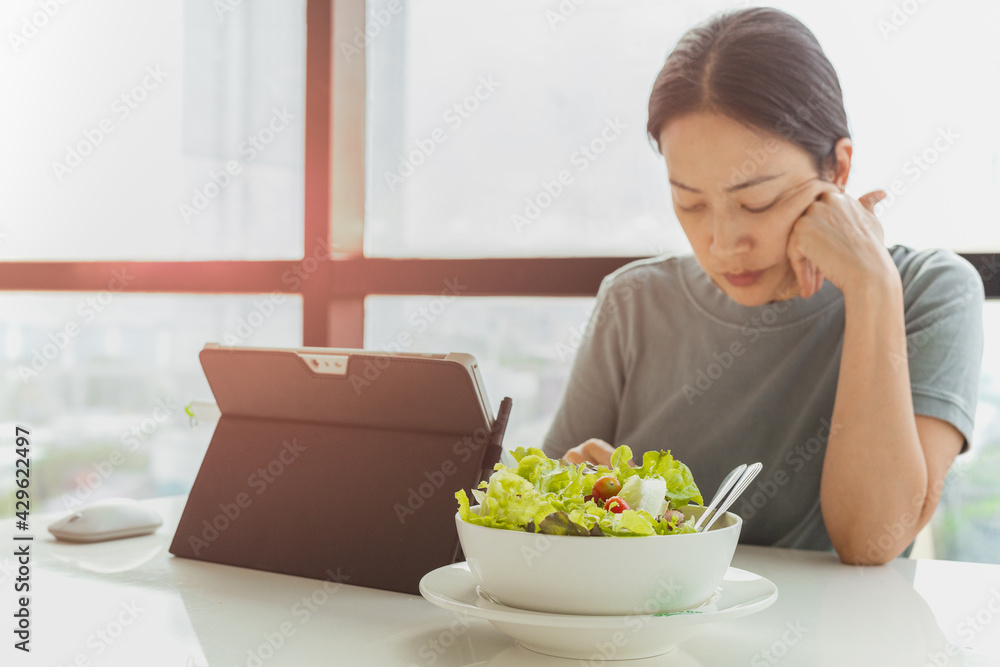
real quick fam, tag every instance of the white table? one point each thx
(129, 602)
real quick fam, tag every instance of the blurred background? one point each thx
(174, 174)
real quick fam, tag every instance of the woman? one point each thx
(792, 336)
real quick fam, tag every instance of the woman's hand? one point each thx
(839, 238)
(594, 450)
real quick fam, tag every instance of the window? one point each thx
(966, 526)
(549, 104)
(524, 346)
(102, 379)
(318, 156)
(181, 138)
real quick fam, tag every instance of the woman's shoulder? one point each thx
(649, 276)
(936, 277)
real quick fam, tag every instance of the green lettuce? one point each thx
(542, 495)
(681, 489)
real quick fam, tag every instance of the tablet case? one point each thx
(347, 475)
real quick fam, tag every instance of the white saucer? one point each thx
(598, 637)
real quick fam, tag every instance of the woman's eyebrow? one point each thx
(742, 186)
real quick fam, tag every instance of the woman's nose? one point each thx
(728, 239)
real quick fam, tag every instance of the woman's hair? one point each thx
(761, 67)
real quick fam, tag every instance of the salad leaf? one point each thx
(554, 497)
(559, 523)
(619, 464)
(645, 493)
(628, 523)
(681, 489)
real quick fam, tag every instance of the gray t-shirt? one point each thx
(668, 361)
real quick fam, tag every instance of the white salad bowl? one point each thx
(601, 576)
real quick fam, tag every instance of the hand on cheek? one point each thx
(808, 277)
(833, 232)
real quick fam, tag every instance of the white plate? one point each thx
(598, 637)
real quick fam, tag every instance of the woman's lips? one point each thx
(743, 279)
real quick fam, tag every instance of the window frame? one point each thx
(333, 298)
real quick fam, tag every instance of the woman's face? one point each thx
(737, 192)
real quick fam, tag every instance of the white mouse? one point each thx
(107, 520)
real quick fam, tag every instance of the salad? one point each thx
(542, 495)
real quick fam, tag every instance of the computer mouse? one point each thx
(109, 519)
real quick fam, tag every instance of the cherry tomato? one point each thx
(616, 505)
(606, 487)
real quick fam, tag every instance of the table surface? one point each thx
(129, 602)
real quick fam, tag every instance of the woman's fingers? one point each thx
(832, 231)
(594, 450)
(799, 269)
(869, 200)
(800, 265)
(811, 274)
(809, 277)
(818, 280)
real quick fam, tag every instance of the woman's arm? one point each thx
(589, 405)
(884, 467)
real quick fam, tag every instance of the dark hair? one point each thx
(761, 67)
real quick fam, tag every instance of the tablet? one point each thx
(339, 464)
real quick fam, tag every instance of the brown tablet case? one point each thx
(347, 476)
